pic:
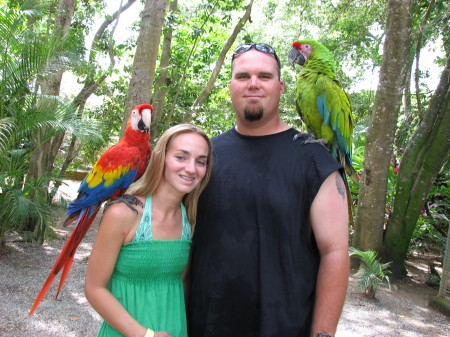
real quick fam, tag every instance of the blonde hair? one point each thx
(152, 176)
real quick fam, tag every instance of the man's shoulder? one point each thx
(229, 134)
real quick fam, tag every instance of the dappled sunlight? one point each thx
(401, 311)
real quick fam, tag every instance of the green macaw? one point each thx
(323, 105)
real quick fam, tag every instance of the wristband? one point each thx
(320, 334)
(149, 333)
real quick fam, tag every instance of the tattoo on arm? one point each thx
(341, 186)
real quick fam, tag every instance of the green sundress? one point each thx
(147, 278)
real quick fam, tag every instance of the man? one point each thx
(270, 253)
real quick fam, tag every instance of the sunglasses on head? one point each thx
(259, 47)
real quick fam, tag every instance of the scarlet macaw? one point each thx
(322, 104)
(119, 166)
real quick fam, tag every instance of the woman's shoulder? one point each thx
(125, 208)
(119, 219)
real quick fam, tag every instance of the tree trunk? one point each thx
(421, 162)
(66, 8)
(147, 47)
(369, 222)
(162, 81)
(208, 87)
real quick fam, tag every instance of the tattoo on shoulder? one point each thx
(341, 186)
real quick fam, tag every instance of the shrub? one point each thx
(371, 273)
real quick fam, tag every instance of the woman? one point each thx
(134, 276)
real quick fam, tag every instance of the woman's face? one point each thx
(186, 162)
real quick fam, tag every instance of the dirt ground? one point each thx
(401, 311)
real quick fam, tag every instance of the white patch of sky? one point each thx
(427, 65)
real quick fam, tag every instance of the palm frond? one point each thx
(18, 207)
(372, 273)
(7, 129)
(35, 8)
(27, 54)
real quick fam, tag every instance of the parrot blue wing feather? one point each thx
(91, 195)
(342, 144)
(323, 108)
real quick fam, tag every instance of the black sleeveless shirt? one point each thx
(255, 260)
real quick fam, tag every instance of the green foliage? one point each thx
(198, 37)
(358, 158)
(362, 104)
(20, 198)
(359, 142)
(409, 119)
(430, 234)
(215, 118)
(21, 201)
(113, 95)
(29, 119)
(427, 237)
(437, 26)
(371, 273)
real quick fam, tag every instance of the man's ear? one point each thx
(282, 87)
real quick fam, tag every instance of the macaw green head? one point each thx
(310, 53)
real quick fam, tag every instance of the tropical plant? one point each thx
(371, 273)
(430, 234)
(26, 115)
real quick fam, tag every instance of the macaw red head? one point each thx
(141, 117)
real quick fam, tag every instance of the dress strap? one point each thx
(186, 232)
(144, 231)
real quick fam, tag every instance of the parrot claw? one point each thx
(302, 136)
(313, 140)
(308, 138)
(129, 200)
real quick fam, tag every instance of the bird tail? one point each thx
(71, 218)
(345, 159)
(351, 222)
(351, 173)
(65, 258)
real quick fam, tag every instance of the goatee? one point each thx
(253, 113)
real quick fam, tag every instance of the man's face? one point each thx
(255, 89)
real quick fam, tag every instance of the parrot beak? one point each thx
(295, 56)
(144, 123)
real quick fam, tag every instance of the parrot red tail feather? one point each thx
(87, 218)
(120, 165)
(65, 258)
